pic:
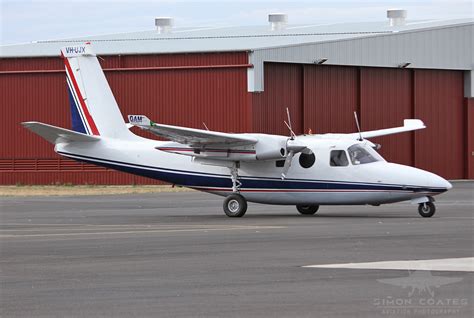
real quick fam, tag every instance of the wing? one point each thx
(408, 125)
(55, 134)
(191, 136)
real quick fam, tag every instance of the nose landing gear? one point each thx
(426, 209)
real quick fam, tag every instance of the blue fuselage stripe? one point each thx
(193, 179)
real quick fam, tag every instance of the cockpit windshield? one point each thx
(359, 155)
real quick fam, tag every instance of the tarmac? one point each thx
(178, 255)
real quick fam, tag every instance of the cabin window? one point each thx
(307, 160)
(359, 155)
(339, 158)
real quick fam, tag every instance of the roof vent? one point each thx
(277, 21)
(164, 24)
(396, 17)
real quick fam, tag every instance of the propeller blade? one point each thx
(287, 165)
(292, 147)
(288, 124)
(358, 126)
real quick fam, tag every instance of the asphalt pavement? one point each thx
(178, 255)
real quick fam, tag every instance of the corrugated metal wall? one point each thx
(469, 102)
(187, 89)
(283, 88)
(386, 99)
(383, 98)
(330, 98)
(447, 47)
(439, 103)
(181, 89)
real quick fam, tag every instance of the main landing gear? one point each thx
(307, 209)
(426, 209)
(235, 205)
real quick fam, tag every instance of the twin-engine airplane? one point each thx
(306, 171)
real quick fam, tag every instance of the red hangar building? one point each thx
(241, 79)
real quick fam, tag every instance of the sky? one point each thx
(34, 20)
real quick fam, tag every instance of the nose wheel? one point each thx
(426, 209)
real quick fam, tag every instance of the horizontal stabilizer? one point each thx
(55, 134)
(140, 120)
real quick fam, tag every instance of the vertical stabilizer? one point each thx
(94, 110)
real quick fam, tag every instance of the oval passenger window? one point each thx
(307, 160)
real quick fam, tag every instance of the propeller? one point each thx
(288, 124)
(358, 126)
(292, 146)
(287, 165)
(375, 146)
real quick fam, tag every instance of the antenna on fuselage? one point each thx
(358, 126)
(288, 124)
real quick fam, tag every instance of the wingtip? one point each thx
(28, 123)
(414, 123)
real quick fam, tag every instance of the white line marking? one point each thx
(463, 264)
(113, 225)
(86, 227)
(143, 231)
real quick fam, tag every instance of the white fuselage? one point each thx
(322, 184)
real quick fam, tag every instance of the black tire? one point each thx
(307, 209)
(235, 206)
(427, 209)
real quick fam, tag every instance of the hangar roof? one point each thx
(433, 44)
(215, 39)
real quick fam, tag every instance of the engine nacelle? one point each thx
(271, 148)
(268, 147)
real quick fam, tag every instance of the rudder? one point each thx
(94, 110)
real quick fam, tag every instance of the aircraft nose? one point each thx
(438, 182)
(424, 181)
(448, 185)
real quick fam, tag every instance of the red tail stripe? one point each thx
(88, 116)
